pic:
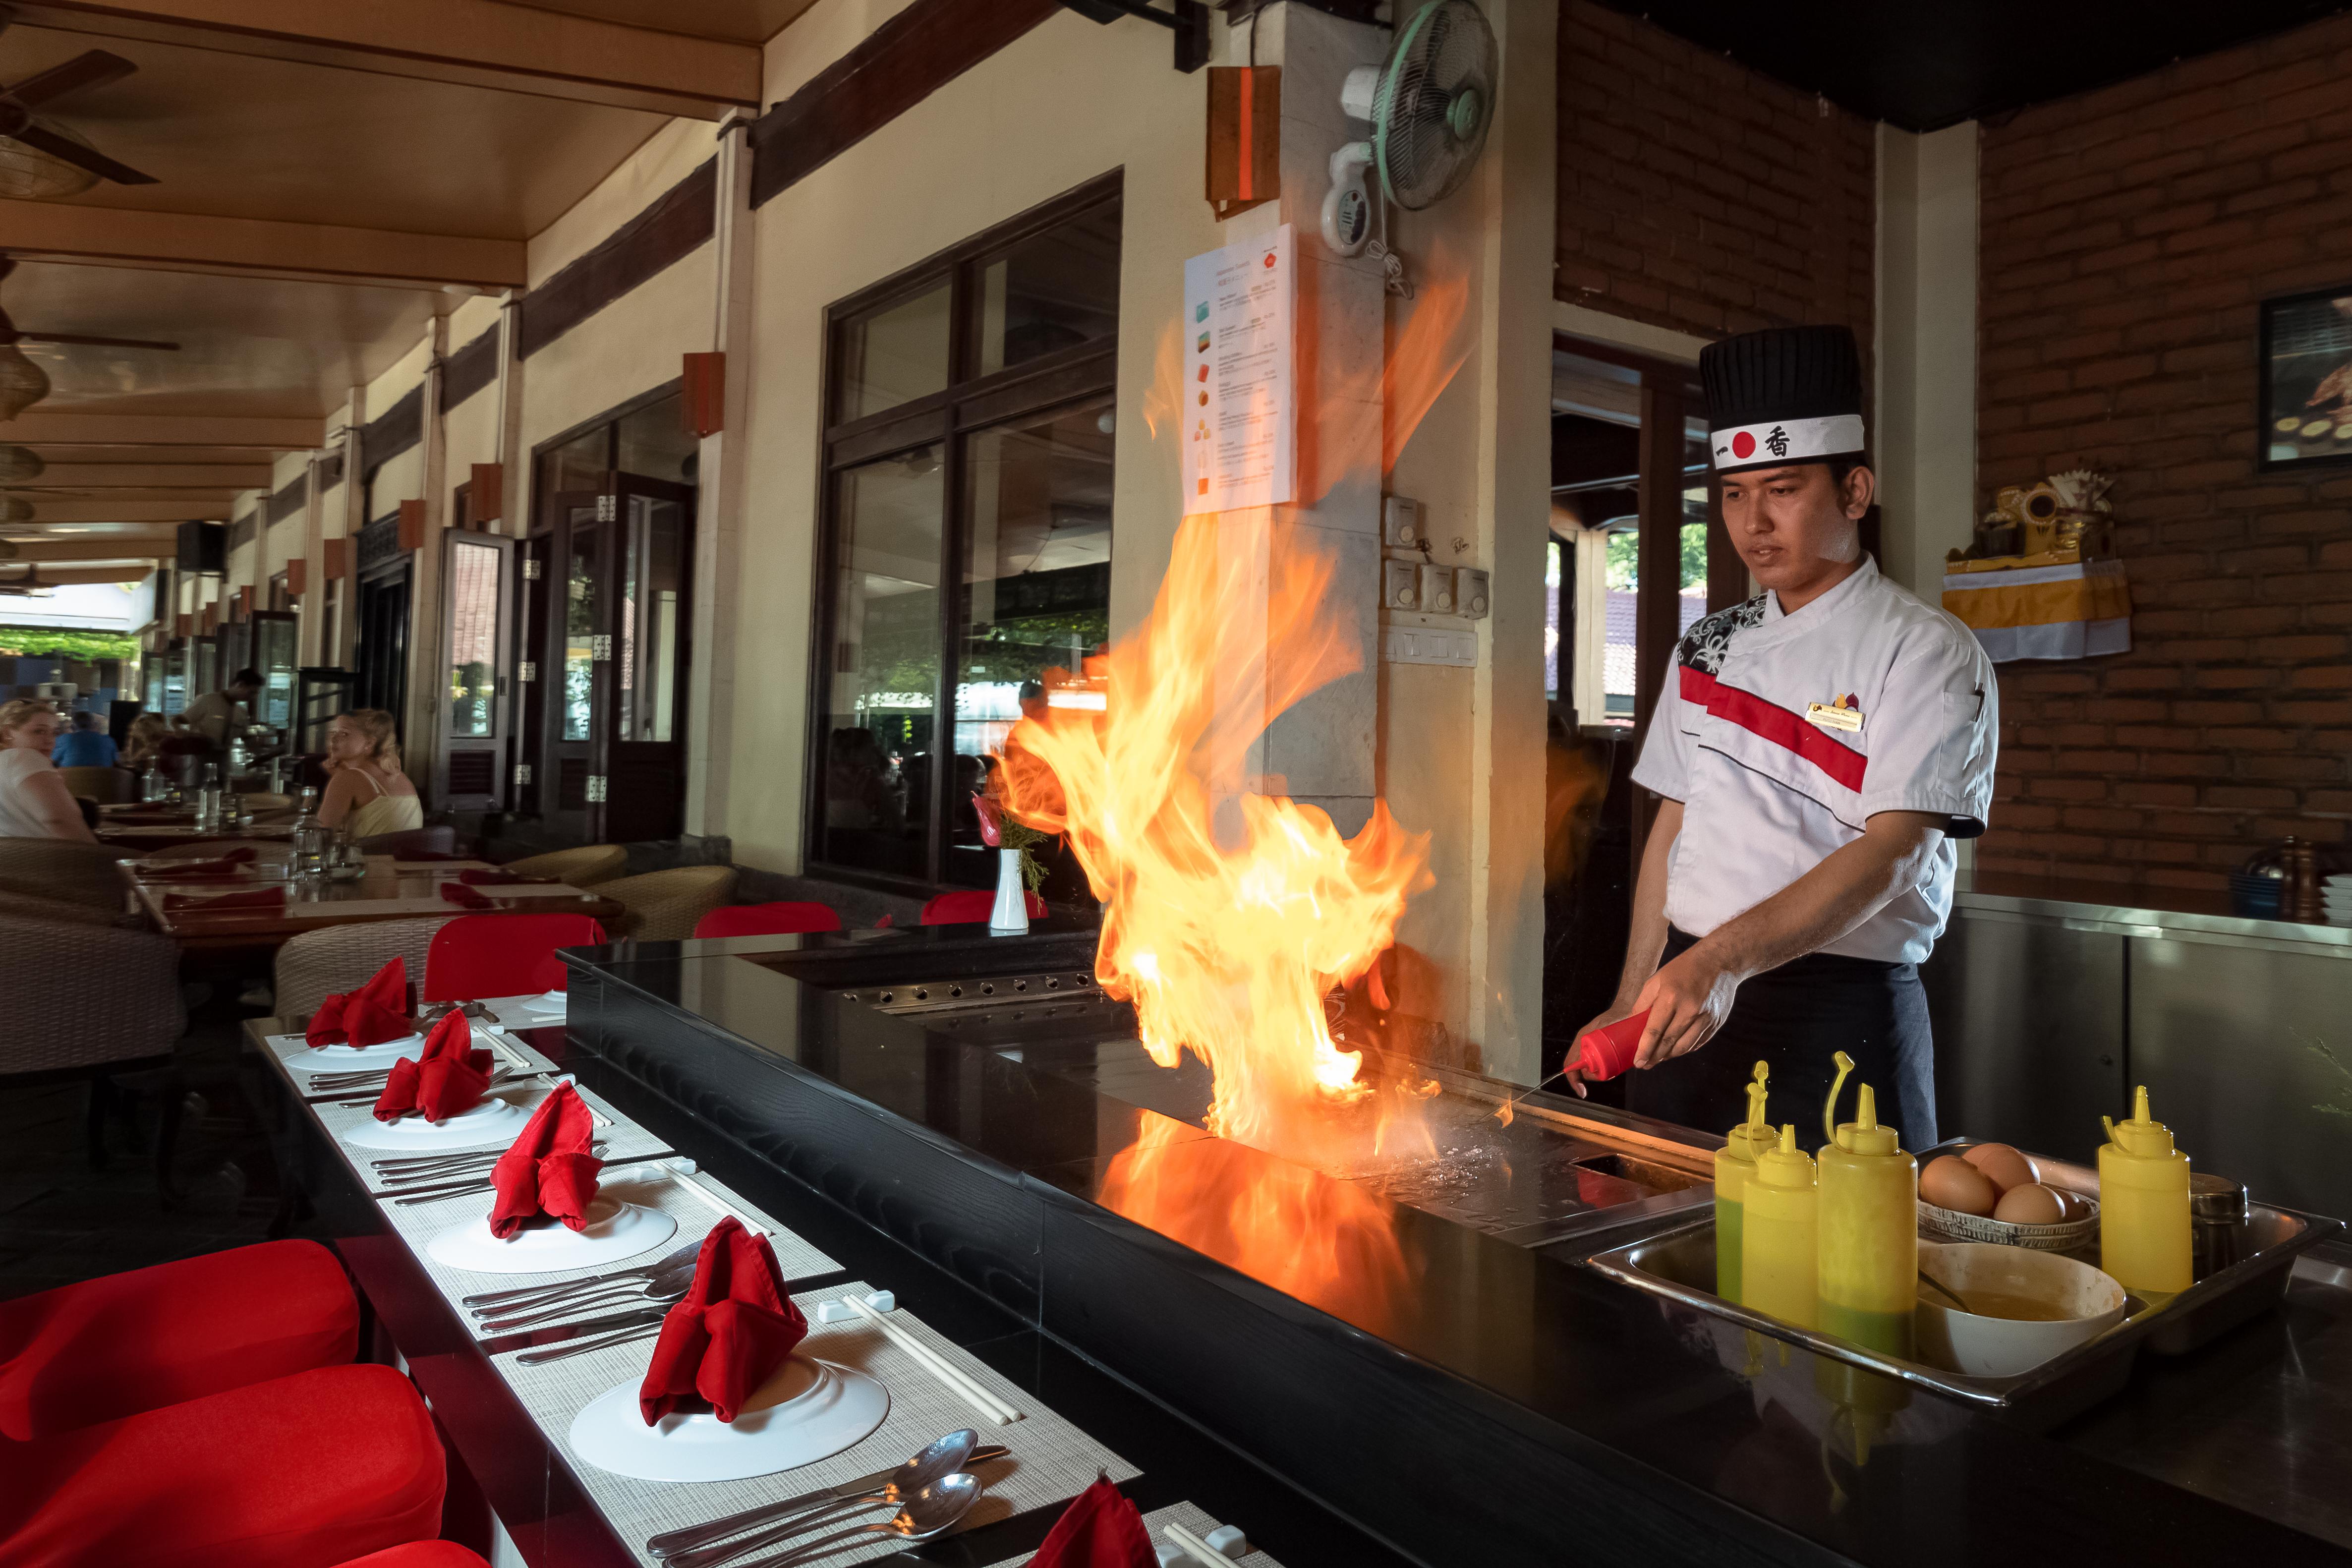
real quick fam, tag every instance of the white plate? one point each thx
(494, 1120)
(616, 1230)
(810, 1410)
(337, 1058)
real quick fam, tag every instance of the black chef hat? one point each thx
(1786, 394)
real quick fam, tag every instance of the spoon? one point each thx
(938, 1459)
(1957, 1300)
(934, 1511)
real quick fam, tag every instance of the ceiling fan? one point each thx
(30, 167)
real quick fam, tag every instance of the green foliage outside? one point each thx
(1623, 548)
(44, 642)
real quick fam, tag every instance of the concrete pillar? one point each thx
(1925, 439)
(514, 463)
(354, 509)
(427, 628)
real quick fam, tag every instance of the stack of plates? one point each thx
(2255, 897)
(2338, 891)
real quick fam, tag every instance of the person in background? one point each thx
(145, 741)
(34, 801)
(367, 795)
(84, 744)
(218, 715)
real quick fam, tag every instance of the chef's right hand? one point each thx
(1618, 1010)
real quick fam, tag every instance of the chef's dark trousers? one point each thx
(1797, 1018)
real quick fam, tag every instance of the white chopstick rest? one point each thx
(840, 1312)
(979, 1398)
(681, 1170)
(1191, 1545)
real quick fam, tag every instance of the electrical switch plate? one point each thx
(1429, 645)
(1400, 522)
(1400, 584)
(1437, 590)
(1470, 592)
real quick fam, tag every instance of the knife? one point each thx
(676, 1541)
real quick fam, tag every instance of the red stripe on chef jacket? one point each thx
(1841, 762)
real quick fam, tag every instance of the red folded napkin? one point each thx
(253, 899)
(1100, 1529)
(547, 1169)
(729, 1336)
(495, 877)
(444, 1079)
(464, 897)
(376, 1012)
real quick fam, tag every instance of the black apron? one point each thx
(1797, 1018)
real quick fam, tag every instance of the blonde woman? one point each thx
(34, 800)
(367, 795)
(145, 741)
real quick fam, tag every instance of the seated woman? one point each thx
(145, 740)
(34, 800)
(367, 795)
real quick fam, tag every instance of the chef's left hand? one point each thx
(1688, 1000)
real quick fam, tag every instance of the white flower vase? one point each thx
(1012, 911)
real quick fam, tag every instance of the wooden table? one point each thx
(149, 835)
(392, 890)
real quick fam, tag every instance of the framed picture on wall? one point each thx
(2306, 379)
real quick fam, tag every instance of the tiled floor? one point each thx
(60, 1221)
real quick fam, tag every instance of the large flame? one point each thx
(1229, 914)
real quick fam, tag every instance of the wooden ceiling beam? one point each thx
(127, 509)
(225, 477)
(472, 43)
(14, 572)
(113, 547)
(58, 231)
(43, 427)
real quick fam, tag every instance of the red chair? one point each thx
(781, 918)
(966, 908)
(104, 1349)
(317, 1467)
(475, 956)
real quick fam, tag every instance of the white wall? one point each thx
(1926, 437)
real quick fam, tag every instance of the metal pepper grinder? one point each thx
(2300, 898)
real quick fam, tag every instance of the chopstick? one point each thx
(684, 1177)
(979, 1398)
(1192, 1546)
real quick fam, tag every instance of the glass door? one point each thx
(474, 719)
(578, 666)
(644, 764)
(203, 673)
(274, 656)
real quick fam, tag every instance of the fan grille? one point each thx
(20, 465)
(29, 174)
(22, 382)
(1436, 101)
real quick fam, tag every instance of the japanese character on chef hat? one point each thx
(1786, 394)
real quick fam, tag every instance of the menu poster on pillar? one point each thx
(1241, 423)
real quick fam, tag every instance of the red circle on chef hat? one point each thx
(1743, 446)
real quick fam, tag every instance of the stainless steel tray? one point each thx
(1678, 1264)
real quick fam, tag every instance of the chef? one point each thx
(1816, 751)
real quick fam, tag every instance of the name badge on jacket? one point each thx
(1841, 714)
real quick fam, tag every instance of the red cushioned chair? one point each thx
(475, 956)
(781, 919)
(317, 1468)
(107, 1348)
(965, 908)
(419, 1554)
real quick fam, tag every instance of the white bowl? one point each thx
(1980, 1346)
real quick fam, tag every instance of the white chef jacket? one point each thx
(1767, 794)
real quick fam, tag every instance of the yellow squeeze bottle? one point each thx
(1869, 1229)
(1735, 1163)
(2144, 1232)
(1777, 1264)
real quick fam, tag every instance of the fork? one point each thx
(514, 1296)
(659, 1291)
(477, 1182)
(422, 1167)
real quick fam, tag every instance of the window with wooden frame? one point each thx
(964, 546)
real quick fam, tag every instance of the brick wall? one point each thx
(2129, 238)
(1697, 194)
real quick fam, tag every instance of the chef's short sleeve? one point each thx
(1936, 733)
(1665, 764)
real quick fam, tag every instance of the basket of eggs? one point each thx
(1990, 1192)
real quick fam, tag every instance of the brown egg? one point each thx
(2004, 1165)
(2030, 1205)
(1954, 1183)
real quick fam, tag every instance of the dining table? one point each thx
(151, 828)
(259, 904)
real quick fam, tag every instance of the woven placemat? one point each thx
(418, 1224)
(506, 1048)
(622, 1138)
(1193, 1517)
(511, 1014)
(1052, 1461)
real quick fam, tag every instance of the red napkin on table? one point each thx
(547, 1169)
(1100, 1529)
(444, 1079)
(498, 878)
(729, 1336)
(376, 1012)
(464, 897)
(254, 899)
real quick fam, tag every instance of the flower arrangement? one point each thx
(1001, 830)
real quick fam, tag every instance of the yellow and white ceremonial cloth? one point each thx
(2042, 607)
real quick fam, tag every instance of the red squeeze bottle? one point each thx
(1606, 1052)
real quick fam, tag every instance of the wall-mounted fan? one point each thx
(41, 160)
(1429, 106)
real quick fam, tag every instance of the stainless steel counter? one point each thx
(2051, 1000)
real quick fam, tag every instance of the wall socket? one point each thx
(1470, 592)
(1437, 590)
(1400, 585)
(1400, 522)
